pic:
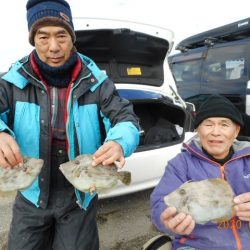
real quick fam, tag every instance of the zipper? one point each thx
(214, 162)
(54, 105)
(201, 156)
(222, 170)
(44, 86)
(69, 102)
(236, 236)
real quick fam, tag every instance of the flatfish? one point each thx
(21, 176)
(85, 177)
(209, 200)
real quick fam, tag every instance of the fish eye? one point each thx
(216, 203)
(182, 191)
(77, 162)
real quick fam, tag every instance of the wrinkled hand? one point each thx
(242, 206)
(178, 223)
(10, 155)
(110, 152)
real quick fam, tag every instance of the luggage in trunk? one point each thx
(161, 123)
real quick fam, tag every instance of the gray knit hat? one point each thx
(42, 13)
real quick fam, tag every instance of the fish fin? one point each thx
(124, 177)
(202, 222)
(103, 191)
(7, 194)
(216, 181)
(219, 220)
(92, 189)
(222, 219)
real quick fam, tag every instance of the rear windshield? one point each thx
(221, 64)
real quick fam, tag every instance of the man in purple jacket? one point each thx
(213, 153)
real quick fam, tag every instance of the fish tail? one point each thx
(125, 177)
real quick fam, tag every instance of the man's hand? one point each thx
(10, 155)
(110, 152)
(242, 206)
(178, 223)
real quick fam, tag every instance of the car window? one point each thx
(225, 64)
(187, 71)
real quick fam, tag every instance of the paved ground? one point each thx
(5, 217)
(124, 222)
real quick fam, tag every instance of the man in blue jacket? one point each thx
(56, 104)
(214, 153)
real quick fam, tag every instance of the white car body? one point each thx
(148, 163)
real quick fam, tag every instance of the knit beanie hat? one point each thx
(42, 13)
(218, 106)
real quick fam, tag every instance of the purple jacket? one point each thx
(193, 164)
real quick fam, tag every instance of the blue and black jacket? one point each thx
(95, 113)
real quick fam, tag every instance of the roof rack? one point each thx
(229, 32)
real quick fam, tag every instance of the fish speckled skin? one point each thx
(208, 200)
(83, 176)
(20, 176)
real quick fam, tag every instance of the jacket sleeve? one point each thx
(120, 121)
(5, 97)
(175, 174)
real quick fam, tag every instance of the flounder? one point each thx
(20, 176)
(208, 200)
(85, 177)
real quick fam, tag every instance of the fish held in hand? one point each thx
(21, 176)
(87, 178)
(208, 200)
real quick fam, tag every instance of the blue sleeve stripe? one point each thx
(126, 134)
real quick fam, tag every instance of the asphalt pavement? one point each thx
(123, 222)
(5, 217)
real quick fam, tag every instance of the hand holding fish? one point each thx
(19, 177)
(88, 178)
(209, 200)
(10, 155)
(109, 153)
(178, 223)
(242, 206)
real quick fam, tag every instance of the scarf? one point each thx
(57, 76)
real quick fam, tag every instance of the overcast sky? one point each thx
(184, 17)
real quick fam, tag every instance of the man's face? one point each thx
(217, 135)
(53, 45)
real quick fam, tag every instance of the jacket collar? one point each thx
(21, 73)
(240, 148)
